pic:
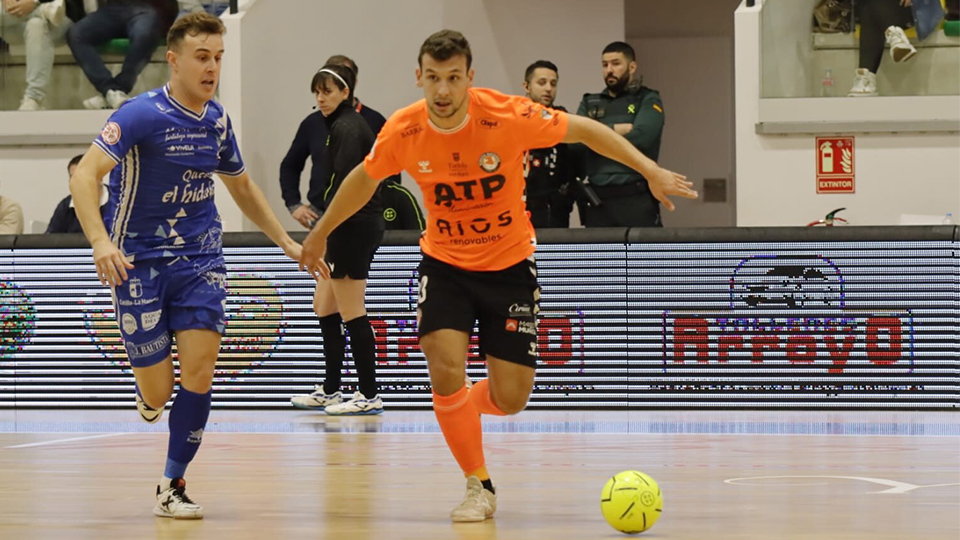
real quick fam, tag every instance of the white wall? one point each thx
(897, 173)
(786, 42)
(685, 50)
(505, 37)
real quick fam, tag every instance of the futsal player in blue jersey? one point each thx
(159, 245)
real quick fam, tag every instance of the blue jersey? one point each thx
(161, 193)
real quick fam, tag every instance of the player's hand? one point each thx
(664, 184)
(305, 215)
(112, 265)
(906, 3)
(311, 258)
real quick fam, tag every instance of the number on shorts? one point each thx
(423, 289)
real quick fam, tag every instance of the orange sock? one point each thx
(460, 424)
(482, 400)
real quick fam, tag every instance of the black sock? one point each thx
(334, 344)
(488, 485)
(362, 345)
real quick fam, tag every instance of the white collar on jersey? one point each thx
(182, 108)
(449, 131)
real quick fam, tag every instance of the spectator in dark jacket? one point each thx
(143, 22)
(64, 219)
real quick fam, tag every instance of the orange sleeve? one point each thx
(536, 126)
(382, 162)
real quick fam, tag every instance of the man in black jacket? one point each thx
(143, 22)
(64, 218)
(400, 210)
(548, 171)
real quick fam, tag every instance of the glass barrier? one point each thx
(39, 71)
(838, 48)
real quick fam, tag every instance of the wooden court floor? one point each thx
(290, 474)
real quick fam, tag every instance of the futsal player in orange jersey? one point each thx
(464, 146)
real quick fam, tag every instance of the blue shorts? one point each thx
(162, 296)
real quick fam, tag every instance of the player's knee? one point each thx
(511, 404)
(156, 398)
(197, 376)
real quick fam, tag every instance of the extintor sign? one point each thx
(836, 172)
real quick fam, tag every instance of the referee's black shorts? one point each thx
(351, 246)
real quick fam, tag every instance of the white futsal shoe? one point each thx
(316, 401)
(173, 502)
(478, 503)
(358, 405)
(148, 413)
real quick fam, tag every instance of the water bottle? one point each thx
(826, 84)
(948, 219)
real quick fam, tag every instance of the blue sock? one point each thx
(188, 417)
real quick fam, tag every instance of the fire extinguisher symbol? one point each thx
(826, 158)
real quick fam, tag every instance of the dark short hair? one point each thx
(444, 45)
(341, 60)
(323, 76)
(623, 48)
(546, 64)
(194, 24)
(74, 161)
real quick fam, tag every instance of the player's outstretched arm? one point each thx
(356, 191)
(254, 205)
(606, 142)
(85, 189)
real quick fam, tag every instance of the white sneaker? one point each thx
(173, 502)
(357, 405)
(95, 103)
(54, 12)
(317, 401)
(29, 104)
(478, 503)
(865, 85)
(901, 49)
(116, 98)
(148, 413)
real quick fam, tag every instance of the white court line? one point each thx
(56, 441)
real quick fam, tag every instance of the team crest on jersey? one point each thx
(490, 162)
(111, 133)
(546, 114)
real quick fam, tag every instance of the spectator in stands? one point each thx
(548, 171)
(143, 22)
(42, 24)
(883, 21)
(311, 141)
(64, 219)
(11, 216)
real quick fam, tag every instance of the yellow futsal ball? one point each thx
(631, 502)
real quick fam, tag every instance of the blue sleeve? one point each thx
(125, 128)
(231, 162)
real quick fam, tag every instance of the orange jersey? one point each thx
(471, 176)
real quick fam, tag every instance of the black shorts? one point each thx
(350, 248)
(505, 302)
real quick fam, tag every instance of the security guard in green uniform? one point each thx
(635, 112)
